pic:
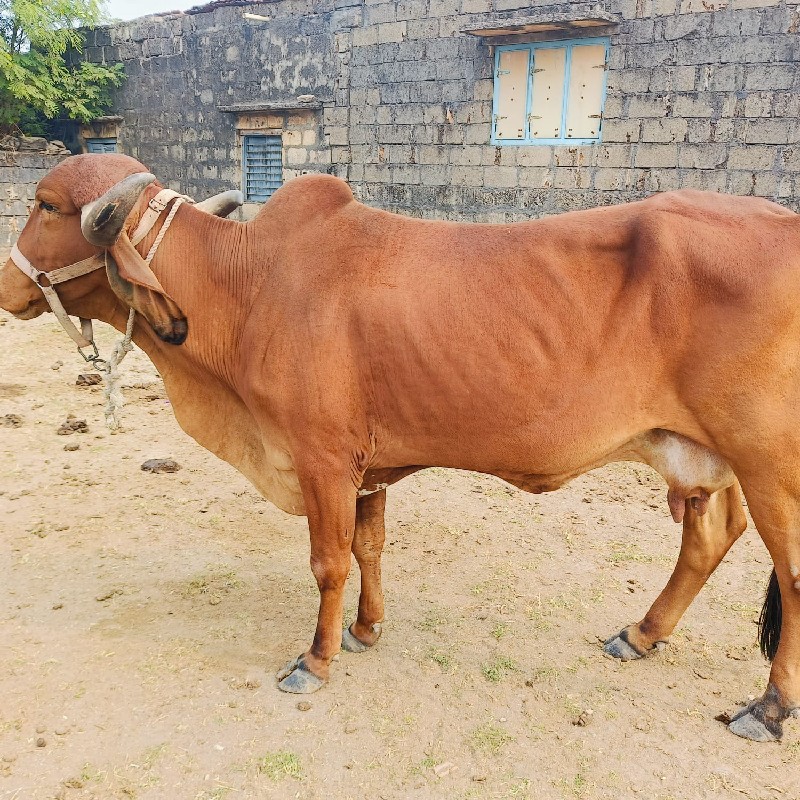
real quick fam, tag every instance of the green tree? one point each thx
(36, 81)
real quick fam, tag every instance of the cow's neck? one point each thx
(210, 268)
(214, 269)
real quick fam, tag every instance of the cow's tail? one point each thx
(769, 622)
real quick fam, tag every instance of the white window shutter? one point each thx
(512, 85)
(586, 85)
(549, 67)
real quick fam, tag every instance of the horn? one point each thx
(220, 205)
(102, 219)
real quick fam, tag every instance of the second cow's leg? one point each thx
(368, 540)
(705, 541)
(331, 509)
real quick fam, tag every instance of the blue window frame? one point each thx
(101, 145)
(262, 167)
(549, 92)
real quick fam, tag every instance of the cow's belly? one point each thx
(691, 471)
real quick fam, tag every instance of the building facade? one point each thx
(491, 110)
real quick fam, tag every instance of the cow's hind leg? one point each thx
(776, 513)
(705, 541)
(370, 534)
(330, 505)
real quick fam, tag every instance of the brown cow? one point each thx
(333, 349)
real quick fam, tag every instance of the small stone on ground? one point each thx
(160, 465)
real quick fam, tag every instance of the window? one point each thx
(262, 167)
(101, 145)
(549, 93)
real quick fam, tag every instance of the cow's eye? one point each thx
(47, 206)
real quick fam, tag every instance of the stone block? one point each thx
(479, 133)
(772, 131)
(656, 155)
(443, 8)
(456, 91)
(535, 177)
(664, 180)
(608, 179)
(707, 180)
(422, 28)
(321, 157)
(377, 14)
(365, 37)
(629, 81)
(337, 135)
(769, 76)
(466, 176)
(620, 130)
(292, 138)
(758, 104)
(500, 177)
(719, 77)
(687, 26)
(751, 158)
(406, 174)
(648, 106)
(410, 50)
(411, 9)
(786, 104)
(467, 156)
(736, 23)
(702, 156)
(433, 154)
(658, 54)
(699, 130)
(790, 158)
(669, 129)
(296, 155)
(697, 104)
(740, 4)
(666, 79)
(700, 6)
(612, 155)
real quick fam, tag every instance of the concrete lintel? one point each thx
(277, 105)
(546, 20)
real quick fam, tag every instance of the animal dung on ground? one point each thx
(160, 465)
(12, 421)
(89, 379)
(72, 425)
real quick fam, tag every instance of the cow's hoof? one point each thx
(295, 678)
(353, 645)
(619, 647)
(747, 725)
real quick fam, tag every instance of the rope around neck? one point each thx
(110, 369)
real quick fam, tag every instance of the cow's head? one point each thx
(80, 209)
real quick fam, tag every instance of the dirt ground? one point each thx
(142, 618)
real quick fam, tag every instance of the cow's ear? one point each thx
(135, 284)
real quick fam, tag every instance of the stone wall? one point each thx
(20, 171)
(701, 93)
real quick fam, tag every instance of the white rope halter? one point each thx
(84, 337)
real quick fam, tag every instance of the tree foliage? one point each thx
(36, 81)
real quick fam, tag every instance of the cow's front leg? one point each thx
(330, 506)
(705, 541)
(370, 535)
